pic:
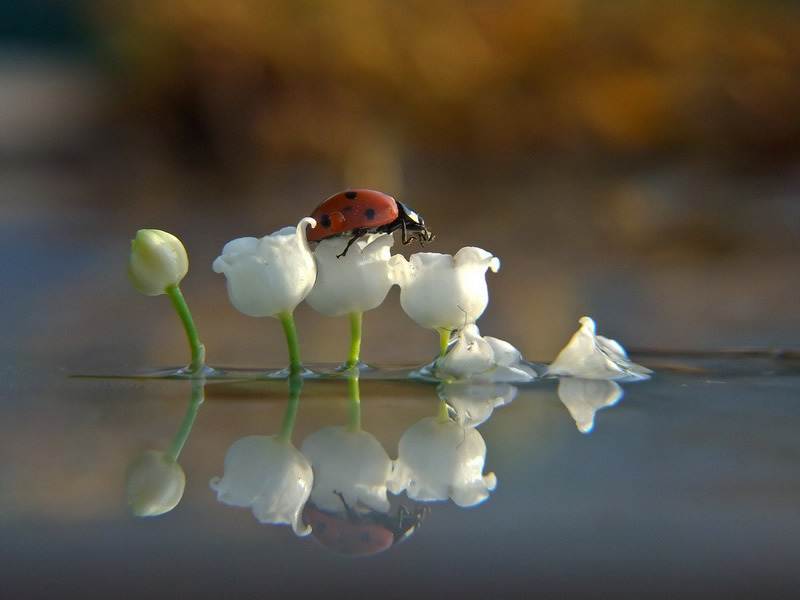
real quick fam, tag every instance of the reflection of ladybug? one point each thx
(359, 212)
(361, 533)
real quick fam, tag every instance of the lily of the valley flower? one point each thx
(154, 484)
(483, 359)
(584, 397)
(270, 276)
(440, 459)
(355, 282)
(269, 475)
(157, 260)
(473, 403)
(350, 463)
(440, 291)
(591, 356)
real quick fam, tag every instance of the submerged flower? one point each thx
(591, 356)
(268, 475)
(440, 291)
(473, 403)
(154, 484)
(350, 463)
(584, 397)
(269, 276)
(483, 359)
(355, 282)
(440, 459)
(157, 261)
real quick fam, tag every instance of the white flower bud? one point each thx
(268, 475)
(440, 460)
(350, 463)
(157, 261)
(154, 484)
(440, 291)
(355, 282)
(591, 356)
(271, 275)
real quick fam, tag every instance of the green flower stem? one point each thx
(290, 417)
(444, 413)
(287, 320)
(198, 395)
(444, 341)
(354, 407)
(198, 350)
(356, 319)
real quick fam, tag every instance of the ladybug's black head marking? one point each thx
(350, 195)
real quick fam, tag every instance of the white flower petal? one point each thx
(584, 397)
(483, 359)
(473, 403)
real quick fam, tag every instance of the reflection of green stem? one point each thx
(355, 339)
(198, 350)
(354, 407)
(287, 320)
(444, 414)
(198, 395)
(289, 418)
(444, 341)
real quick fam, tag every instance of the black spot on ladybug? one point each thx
(365, 536)
(347, 208)
(370, 214)
(320, 528)
(350, 195)
(326, 221)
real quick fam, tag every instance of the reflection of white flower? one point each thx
(483, 359)
(584, 397)
(270, 476)
(157, 261)
(154, 484)
(439, 460)
(355, 282)
(350, 463)
(440, 291)
(473, 403)
(591, 356)
(269, 276)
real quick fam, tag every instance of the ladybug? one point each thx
(358, 533)
(359, 212)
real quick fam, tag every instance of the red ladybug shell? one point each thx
(345, 537)
(352, 209)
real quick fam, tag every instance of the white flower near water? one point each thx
(440, 291)
(440, 459)
(350, 463)
(584, 397)
(591, 356)
(269, 276)
(154, 484)
(268, 475)
(473, 403)
(157, 260)
(487, 359)
(355, 282)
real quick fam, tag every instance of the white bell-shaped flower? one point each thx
(584, 397)
(355, 282)
(269, 276)
(350, 463)
(154, 484)
(440, 291)
(591, 356)
(473, 403)
(157, 261)
(483, 359)
(268, 475)
(440, 459)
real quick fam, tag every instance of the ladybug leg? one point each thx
(357, 233)
(406, 240)
(352, 515)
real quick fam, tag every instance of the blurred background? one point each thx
(637, 162)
